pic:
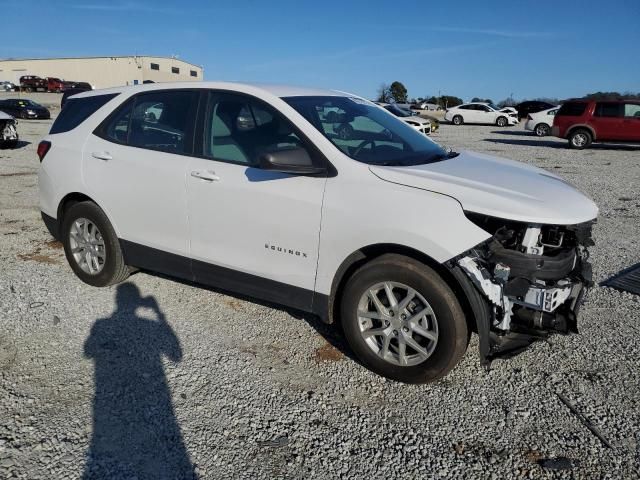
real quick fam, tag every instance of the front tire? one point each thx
(457, 120)
(91, 246)
(542, 130)
(580, 138)
(501, 121)
(403, 321)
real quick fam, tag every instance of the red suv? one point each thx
(585, 121)
(54, 85)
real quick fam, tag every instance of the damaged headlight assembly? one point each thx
(533, 278)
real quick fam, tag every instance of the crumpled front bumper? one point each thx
(510, 316)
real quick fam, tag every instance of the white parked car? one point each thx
(249, 189)
(477, 112)
(8, 86)
(541, 122)
(508, 110)
(421, 124)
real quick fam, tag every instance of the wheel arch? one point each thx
(582, 126)
(72, 198)
(365, 254)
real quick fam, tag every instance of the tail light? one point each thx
(43, 148)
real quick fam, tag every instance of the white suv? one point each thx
(477, 112)
(250, 189)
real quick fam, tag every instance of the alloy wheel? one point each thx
(580, 139)
(87, 246)
(542, 130)
(397, 323)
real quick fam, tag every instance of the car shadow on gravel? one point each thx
(135, 431)
(528, 143)
(563, 145)
(514, 133)
(332, 333)
(19, 144)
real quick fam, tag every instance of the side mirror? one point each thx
(295, 161)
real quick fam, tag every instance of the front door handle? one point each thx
(206, 175)
(102, 155)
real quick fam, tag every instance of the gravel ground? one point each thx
(160, 379)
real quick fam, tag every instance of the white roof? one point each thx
(276, 90)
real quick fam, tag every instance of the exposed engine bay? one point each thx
(533, 277)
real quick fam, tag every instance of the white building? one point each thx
(103, 72)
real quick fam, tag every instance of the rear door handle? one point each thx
(206, 175)
(102, 155)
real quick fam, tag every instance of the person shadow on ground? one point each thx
(135, 431)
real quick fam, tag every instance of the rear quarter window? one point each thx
(572, 109)
(77, 110)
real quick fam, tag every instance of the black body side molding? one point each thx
(225, 279)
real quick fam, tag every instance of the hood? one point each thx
(417, 119)
(497, 187)
(5, 116)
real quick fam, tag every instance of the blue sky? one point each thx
(490, 49)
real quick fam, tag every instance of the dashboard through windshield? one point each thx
(366, 132)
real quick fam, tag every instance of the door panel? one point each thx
(142, 188)
(607, 120)
(631, 122)
(252, 230)
(142, 191)
(261, 223)
(472, 114)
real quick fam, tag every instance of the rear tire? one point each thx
(376, 337)
(580, 138)
(93, 252)
(501, 121)
(542, 130)
(457, 120)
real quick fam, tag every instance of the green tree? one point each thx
(398, 92)
(447, 101)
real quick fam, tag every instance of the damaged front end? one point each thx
(529, 280)
(8, 130)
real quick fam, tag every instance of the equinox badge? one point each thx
(275, 248)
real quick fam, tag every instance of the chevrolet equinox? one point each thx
(257, 190)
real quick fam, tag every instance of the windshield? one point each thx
(366, 133)
(26, 102)
(496, 108)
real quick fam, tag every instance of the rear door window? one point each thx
(163, 121)
(608, 109)
(116, 128)
(572, 109)
(77, 110)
